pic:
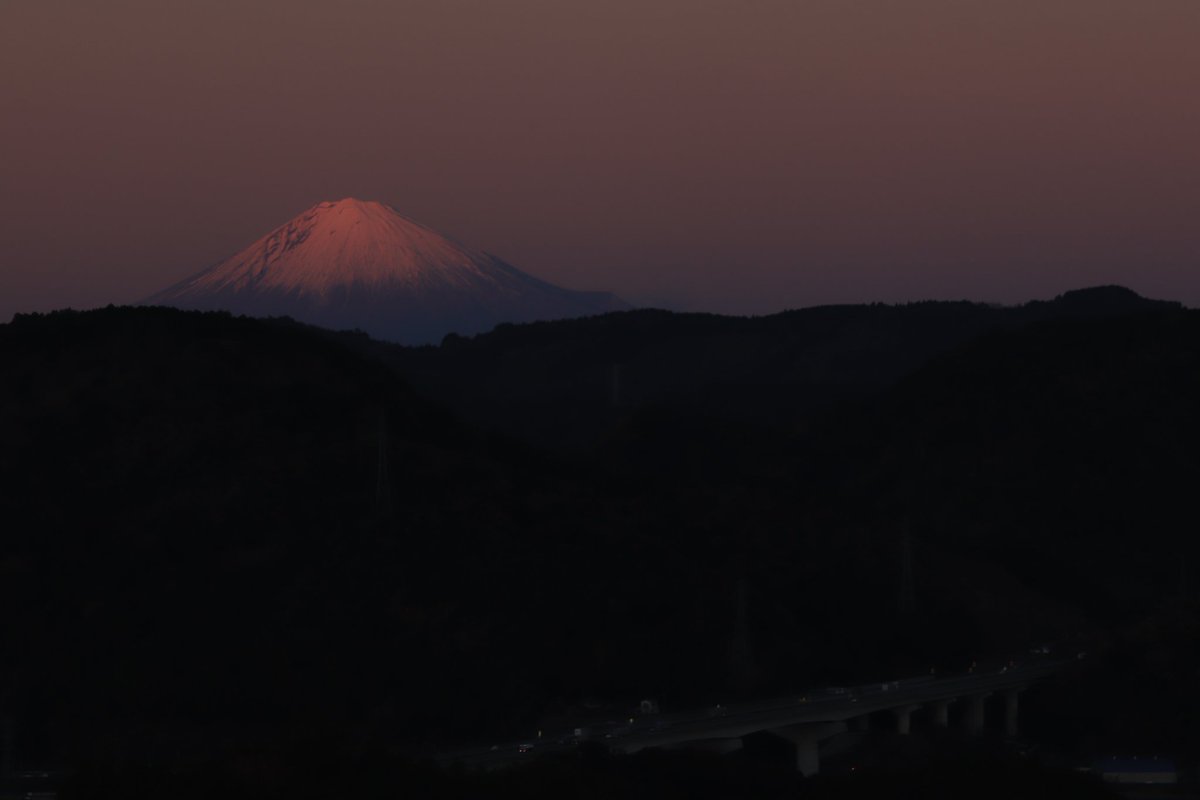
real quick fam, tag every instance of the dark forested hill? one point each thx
(1067, 449)
(220, 524)
(570, 383)
(200, 525)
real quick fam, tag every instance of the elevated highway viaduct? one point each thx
(808, 721)
(805, 721)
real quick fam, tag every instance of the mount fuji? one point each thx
(361, 264)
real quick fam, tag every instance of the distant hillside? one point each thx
(571, 382)
(1067, 449)
(202, 533)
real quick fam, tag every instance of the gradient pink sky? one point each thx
(737, 156)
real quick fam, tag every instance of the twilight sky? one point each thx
(729, 155)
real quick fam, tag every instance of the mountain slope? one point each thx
(357, 264)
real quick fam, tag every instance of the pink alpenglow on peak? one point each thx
(361, 264)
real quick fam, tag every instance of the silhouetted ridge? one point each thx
(571, 382)
(1108, 300)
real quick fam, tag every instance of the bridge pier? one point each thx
(807, 739)
(904, 719)
(1010, 712)
(808, 756)
(941, 713)
(973, 718)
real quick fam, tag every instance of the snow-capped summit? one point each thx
(361, 264)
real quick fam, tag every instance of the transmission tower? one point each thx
(383, 483)
(908, 596)
(741, 653)
(614, 396)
